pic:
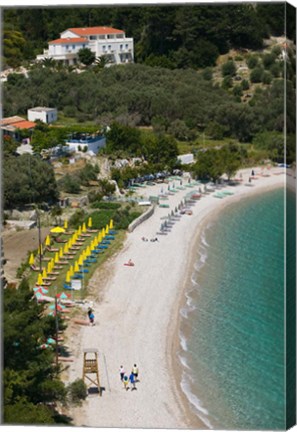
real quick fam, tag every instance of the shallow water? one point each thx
(232, 331)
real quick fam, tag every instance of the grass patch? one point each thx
(57, 286)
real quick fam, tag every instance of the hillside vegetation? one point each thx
(172, 36)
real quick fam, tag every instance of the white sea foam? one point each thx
(203, 238)
(183, 342)
(201, 412)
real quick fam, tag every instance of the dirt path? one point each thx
(16, 245)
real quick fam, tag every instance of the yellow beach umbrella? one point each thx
(80, 260)
(111, 224)
(39, 280)
(31, 259)
(103, 233)
(65, 224)
(47, 241)
(40, 250)
(76, 267)
(79, 231)
(84, 228)
(49, 267)
(99, 237)
(71, 270)
(90, 222)
(107, 229)
(68, 278)
(57, 230)
(88, 251)
(66, 248)
(61, 253)
(44, 274)
(56, 257)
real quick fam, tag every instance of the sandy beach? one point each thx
(137, 316)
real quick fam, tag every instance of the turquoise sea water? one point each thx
(232, 331)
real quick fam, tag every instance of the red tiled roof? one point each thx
(68, 40)
(25, 124)
(87, 31)
(11, 120)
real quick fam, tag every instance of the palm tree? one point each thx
(100, 63)
(49, 63)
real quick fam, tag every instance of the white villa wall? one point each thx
(93, 146)
(42, 115)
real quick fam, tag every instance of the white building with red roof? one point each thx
(103, 41)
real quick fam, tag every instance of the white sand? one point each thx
(137, 318)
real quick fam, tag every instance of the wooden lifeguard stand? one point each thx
(90, 367)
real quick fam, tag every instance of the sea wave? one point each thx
(200, 411)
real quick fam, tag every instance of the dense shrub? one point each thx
(268, 60)
(266, 77)
(245, 84)
(256, 75)
(77, 391)
(106, 205)
(229, 68)
(252, 62)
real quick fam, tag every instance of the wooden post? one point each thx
(90, 367)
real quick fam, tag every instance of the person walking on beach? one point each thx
(126, 382)
(91, 316)
(135, 372)
(132, 381)
(122, 372)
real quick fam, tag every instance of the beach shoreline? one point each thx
(131, 304)
(177, 368)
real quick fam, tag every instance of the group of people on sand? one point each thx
(132, 378)
(155, 239)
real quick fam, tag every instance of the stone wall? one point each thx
(141, 218)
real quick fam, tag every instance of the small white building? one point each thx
(102, 41)
(186, 158)
(44, 114)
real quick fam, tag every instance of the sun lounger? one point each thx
(102, 247)
(112, 232)
(51, 278)
(85, 235)
(59, 240)
(110, 237)
(34, 268)
(49, 249)
(105, 242)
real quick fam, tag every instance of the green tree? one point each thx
(13, 46)
(229, 68)
(256, 75)
(245, 84)
(252, 61)
(209, 165)
(86, 56)
(30, 380)
(35, 182)
(266, 77)
(268, 60)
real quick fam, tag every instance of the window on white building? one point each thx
(67, 46)
(73, 46)
(93, 37)
(109, 47)
(104, 47)
(126, 46)
(121, 47)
